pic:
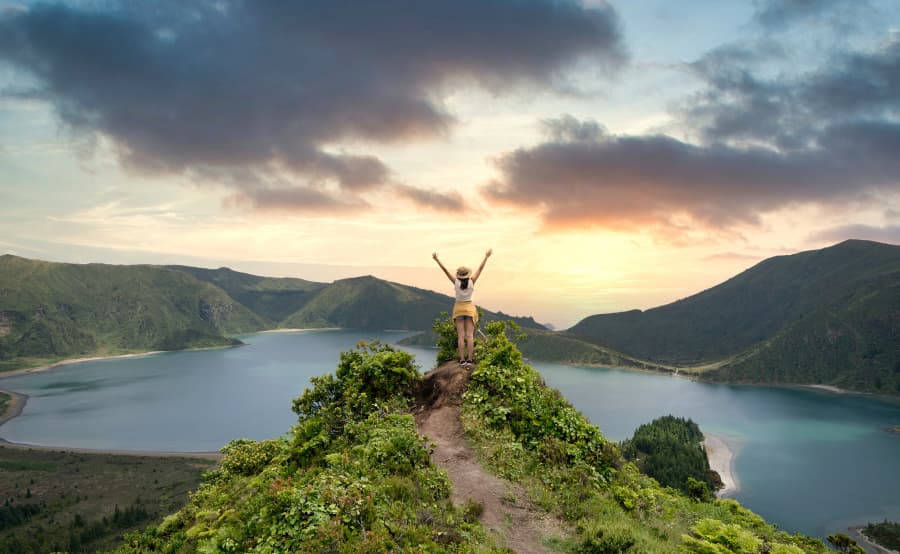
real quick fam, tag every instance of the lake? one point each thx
(810, 461)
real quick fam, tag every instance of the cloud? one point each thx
(629, 182)
(444, 202)
(290, 200)
(889, 234)
(760, 144)
(781, 14)
(204, 88)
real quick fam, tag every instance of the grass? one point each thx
(54, 500)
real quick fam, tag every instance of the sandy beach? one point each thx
(15, 406)
(70, 361)
(145, 453)
(721, 460)
(830, 388)
(297, 330)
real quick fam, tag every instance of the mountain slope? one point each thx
(50, 311)
(270, 297)
(372, 303)
(829, 315)
(53, 310)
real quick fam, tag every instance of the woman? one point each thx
(465, 315)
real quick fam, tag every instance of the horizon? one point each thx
(614, 155)
(553, 325)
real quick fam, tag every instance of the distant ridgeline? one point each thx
(52, 311)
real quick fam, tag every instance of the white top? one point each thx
(463, 295)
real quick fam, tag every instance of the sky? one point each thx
(614, 155)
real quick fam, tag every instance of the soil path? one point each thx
(508, 513)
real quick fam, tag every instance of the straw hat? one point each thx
(463, 272)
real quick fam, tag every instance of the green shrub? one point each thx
(248, 457)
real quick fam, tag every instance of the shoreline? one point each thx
(697, 377)
(72, 361)
(16, 404)
(296, 330)
(856, 533)
(141, 453)
(721, 460)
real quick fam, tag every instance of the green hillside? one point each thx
(50, 311)
(269, 297)
(372, 303)
(353, 475)
(826, 316)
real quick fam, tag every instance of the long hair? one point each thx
(464, 283)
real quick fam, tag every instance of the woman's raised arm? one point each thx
(484, 261)
(447, 273)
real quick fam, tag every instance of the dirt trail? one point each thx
(508, 513)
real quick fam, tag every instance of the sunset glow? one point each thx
(615, 155)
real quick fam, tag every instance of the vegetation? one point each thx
(527, 432)
(824, 316)
(54, 311)
(886, 533)
(845, 544)
(352, 476)
(670, 449)
(272, 298)
(58, 501)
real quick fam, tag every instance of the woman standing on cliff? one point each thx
(465, 314)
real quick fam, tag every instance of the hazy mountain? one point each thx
(827, 316)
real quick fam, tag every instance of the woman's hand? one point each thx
(434, 255)
(488, 253)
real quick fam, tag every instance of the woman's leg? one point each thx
(470, 337)
(461, 337)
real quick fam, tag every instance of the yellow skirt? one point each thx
(466, 308)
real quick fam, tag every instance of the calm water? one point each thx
(810, 461)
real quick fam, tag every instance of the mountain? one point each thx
(372, 303)
(829, 316)
(54, 310)
(51, 311)
(270, 297)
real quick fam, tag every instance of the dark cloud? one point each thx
(219, 86)
(762, 143)
(791, 112)
(443, 202)
(299, 199)
(628, 182)
(889, 234)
